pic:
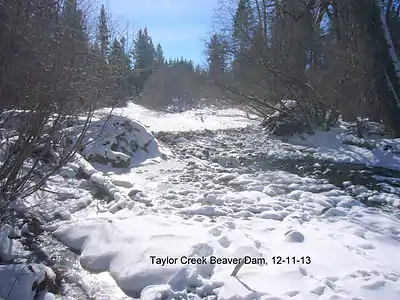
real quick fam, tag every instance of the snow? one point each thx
(20, 281)
(198, 119)
(346, 258)
(10, 248)
(115, 139)
(352, 248)
(176, 228)
(330, 146)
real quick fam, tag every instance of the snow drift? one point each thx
(119, 142)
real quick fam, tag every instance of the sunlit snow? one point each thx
(181, 207)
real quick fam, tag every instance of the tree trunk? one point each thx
(388, 80)
(384, 61)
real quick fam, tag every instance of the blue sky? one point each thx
(180, 26)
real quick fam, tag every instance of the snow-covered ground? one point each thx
(330, 146)
(351, 249)
(176, 228)
(198, 119)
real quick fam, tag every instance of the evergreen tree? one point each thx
(244, 37)
(243, 26)
(73, 22)
(292, 35)
(159, 54)
(117, 52)
(144, 51)
(103, 34)
(119, 71)
(144, 55)
(216, 55)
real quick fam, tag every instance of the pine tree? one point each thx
(122, 42)
(216, 55)
(243, 26)
(144, 55)
(144, 51)
(119, 66)
(159, 54)
(292, 35)
(103, 34)
(73, 22)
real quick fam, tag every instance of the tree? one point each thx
(103, 34)
(159, 54)
(327, 55)
(385, 63)
(73, 22)
(274, 65)
(49, 79)
(143, 54)
(291, 35)
(216, 57)
(244, 24)
(119, 70)
(171, 86)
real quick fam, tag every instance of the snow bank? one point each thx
(333, 258)
(339, 145)
(10, 248)
(120, 142)
(198, 119)
(20, 281)
(119, 196)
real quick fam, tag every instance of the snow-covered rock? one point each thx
(342, 146)
(10, 248)
(19, 281)
(119, 142)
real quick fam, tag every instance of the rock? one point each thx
(225, 178)
(133, 193)
(288, 128)
(10, 249)
(123, 183)
(359, 142)
(63, 215)
(35, 225)
(293, 236)
(20, 281)
(335, 212)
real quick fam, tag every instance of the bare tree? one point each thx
(323, 54)
(49, 80)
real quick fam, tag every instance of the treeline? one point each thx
(143, 71)
(330, 56)
(53, 53)
(58, 64)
